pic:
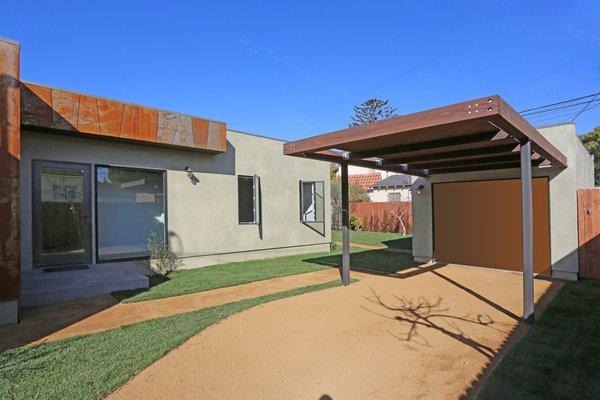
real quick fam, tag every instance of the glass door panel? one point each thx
(61, 213)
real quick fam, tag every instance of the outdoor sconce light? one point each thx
(420, 189)
(190, 174)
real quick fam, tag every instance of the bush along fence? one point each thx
(393, 216)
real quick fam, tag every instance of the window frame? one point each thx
(315, 192)
(256, 200)
(399, 193)
(95, 206)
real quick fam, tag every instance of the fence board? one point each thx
(588, 218)
(384, 216)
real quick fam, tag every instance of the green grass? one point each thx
(380, 261)
(92, 366)
(222, 275)
(383, 239)
(217, 276)
(559, 357)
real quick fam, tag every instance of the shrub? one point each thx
(333, 245)
(355, 223)
(162, 258)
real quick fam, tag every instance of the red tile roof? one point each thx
(366, 181)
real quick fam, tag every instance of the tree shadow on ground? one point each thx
(377, 261)
(403, 243)
(153, 280)
(416, 314)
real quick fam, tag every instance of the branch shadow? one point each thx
(431, 314)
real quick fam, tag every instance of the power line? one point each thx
(567, 110)
(585, 108)
(560, 102)
(525, 113)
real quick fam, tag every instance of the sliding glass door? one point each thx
(130, 205)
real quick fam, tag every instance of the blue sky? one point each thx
(295, 70)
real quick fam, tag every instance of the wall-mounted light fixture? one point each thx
(419, 189)
(190, 174)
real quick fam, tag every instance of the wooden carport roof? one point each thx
(480, 134)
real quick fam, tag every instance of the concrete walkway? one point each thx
(429, 335)
(121, 314)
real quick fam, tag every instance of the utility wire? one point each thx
(585, 108)
(567, 110)
(560, 102)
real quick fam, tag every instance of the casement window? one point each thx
(312, 201)
(248, 199)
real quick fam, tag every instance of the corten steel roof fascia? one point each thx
(61, 111)
(485, 123)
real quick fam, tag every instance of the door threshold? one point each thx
(66, 268)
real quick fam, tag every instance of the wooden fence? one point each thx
(588, 214)
(392, 216)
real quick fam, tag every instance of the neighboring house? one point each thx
(86, 180)
(365, 181)
(396, 187)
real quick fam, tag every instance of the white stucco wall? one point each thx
(563, 184)
(202, 218)
(381, 195)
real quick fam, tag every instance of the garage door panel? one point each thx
(480, 223)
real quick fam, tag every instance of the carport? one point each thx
(477, 135)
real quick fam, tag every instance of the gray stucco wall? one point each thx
(202, 218)
(563, 200)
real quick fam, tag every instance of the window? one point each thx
(312, 202)
(129, 206)
(394, 196)
(249, 199)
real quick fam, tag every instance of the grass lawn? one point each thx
(92, 366)
(383, 239)
(559, 357)
(223, 275)
(380, 261)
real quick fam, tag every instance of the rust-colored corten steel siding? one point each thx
(59, 110)
(480, 223)
(10, 154)
(588, 213)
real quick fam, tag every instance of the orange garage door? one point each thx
(479, 223)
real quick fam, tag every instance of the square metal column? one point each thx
(527, 212)
(345, 226)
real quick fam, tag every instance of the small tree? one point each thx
(591, 141)
(371, 110)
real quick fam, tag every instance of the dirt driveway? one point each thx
(428, 335)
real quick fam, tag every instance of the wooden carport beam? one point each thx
(478, 109)
(481, 167)
(478, 138)
(327, 155)
(479, 120)
(504, 145)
